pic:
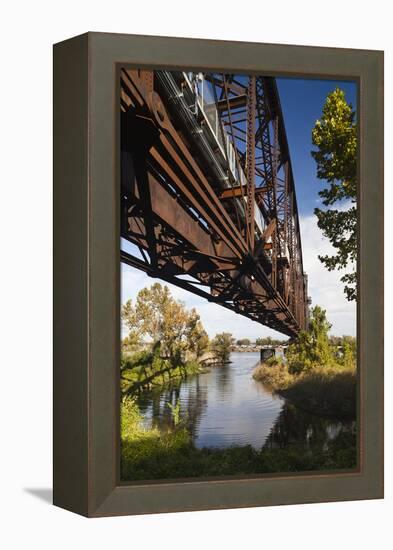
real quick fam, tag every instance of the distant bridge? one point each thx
(207, 192)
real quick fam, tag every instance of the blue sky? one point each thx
(302, 101)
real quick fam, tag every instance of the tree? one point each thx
(243, 342)
(348, 356)
(335, 341)
(335, 136)
(197, 337)
(221, 346)
(312, 349)
(269, 341)
(166, 321)
(128, 315)
(132, 341)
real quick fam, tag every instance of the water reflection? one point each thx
(227, 407)
(295, 427)
(192, 398)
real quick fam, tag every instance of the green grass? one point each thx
(151, 454)
(326, 391)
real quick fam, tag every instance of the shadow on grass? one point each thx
(298, 442)
(173, 455)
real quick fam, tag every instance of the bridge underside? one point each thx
(207, 194)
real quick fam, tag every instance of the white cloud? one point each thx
(325, 287)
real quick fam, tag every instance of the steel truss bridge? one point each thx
(208, 199)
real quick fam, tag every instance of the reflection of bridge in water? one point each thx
(208, 197)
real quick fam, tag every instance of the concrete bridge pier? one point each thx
(272, 351)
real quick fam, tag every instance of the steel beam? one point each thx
(185, 221)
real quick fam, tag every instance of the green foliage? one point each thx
(134, 336)
(312, 348)
(178, 341)
(175, 412)
(243, 342)
(221, 346)
(335, 341)
(318, 373)
(347, 358)
(327, 391)
(274, 375)
(344, 350)
(197, 338)
(140, 358)
(335, 136)
(147, 369)
(131, 342)
(158, 315)
(273, 361)
(142, 449)
(151, 454)
(269, 341)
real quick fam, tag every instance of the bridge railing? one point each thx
(205, 101)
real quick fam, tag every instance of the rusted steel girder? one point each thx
(250, 160)
(193, 177)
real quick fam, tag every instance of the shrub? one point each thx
(274, 375)
(348, 356)
(312, 348)
(328, 391)
(273, 361)
(136, 359)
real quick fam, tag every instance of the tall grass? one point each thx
(274, 375)
(152, 454)
(326, 391)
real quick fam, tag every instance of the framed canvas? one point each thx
(193, 292)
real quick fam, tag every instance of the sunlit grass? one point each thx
(274, 375)
(327, 391)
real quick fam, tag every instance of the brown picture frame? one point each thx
(87, 274)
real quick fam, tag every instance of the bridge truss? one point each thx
(208, 199)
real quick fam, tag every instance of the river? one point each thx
(226, 406)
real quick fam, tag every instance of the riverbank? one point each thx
(154, 454)
(324, 391)
(145, 370)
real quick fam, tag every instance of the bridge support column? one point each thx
(266, 353)
(274, 351)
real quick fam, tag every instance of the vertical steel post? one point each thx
(285, 236)
(276, 234)
(250, 159)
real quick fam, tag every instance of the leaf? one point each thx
(335, 136)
